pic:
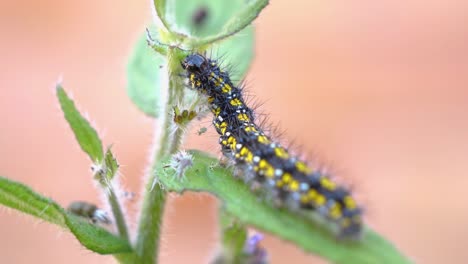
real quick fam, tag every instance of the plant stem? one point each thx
(118, 214)
(154, 197)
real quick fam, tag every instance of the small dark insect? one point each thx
(199, 16)
(202, 131)
(89, 211)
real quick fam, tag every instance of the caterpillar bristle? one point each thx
(246, 142)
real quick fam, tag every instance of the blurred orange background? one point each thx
(377, 88)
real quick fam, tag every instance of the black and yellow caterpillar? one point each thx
(241, 139)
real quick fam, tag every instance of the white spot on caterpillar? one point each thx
(278, 172)
(304, 186)
(256, 159)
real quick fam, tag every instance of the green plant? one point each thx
(160, 93)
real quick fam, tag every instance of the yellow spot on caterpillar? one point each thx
(266, 168)
(279, 183)
(198, 83)
(320, 200)
(302, 167)
(335, 211)
(192, 77)
(217, 81)
(270, 172)
(327, 184)
(286, 177)
(243, 117)
(294, 185)
(312, 194)
(235, 102)
(210, 99)
(226, 88)
(222, 127)
(250, 129)
(349, 202)
(281, 153)
(247, 154)
(216, 111)
(263, 139)
(231, 140)
(249, 157)
(244, 151)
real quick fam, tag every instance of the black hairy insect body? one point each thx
(287, 177)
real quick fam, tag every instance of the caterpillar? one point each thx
(242, 140)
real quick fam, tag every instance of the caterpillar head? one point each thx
(195, 63)
(197, 67)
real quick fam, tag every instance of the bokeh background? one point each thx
(378, 90)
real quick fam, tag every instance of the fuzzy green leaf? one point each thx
(234, 237)
(240, 19)
(111, 164)
(85, 134)
(240, 202)
(96, 238)
(22, 198)
(236, 53)
(144, 77)
(207, 21)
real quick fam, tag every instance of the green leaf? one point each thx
(144, 77)
(160, 7)
(234, 236)
(236, 53)
(20, 197)
(111, 164)
(221, 18)
(85, 134)
(240, 202)
(240, 19)
(96, 238)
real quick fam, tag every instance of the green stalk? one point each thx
(118, 214)
(154, 197)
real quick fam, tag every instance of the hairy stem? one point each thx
(154, 197)
(118, 214)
